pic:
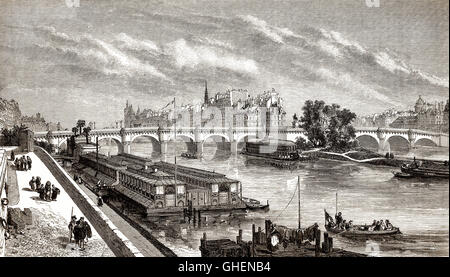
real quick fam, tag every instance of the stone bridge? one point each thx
(195, 138)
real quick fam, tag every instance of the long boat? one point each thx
(361, 231)
(358, 231)
(425, 169)
(277, 153)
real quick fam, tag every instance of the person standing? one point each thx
(38, 183)
(13, 155)
(32, 184)
(29, 161)
(55, 192)
(99, 201)
(48, 191)
(73, 222)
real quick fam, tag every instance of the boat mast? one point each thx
(299, 206)
(336, 202)
(175, 141)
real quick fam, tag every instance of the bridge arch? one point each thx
(108, 147)
(189, 141)
(398, 143)
(368, 141)
(139, 143)
(144, 135)
(424, 141)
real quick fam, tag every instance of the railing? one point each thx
(281, 129)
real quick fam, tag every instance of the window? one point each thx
(215, 188)
(159, 190)
(181, 189)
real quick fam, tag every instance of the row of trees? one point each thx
(326, 126)
(11, 136)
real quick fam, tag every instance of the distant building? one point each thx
(145, 118)
(37, 123)
(238, 109)
(431, 117)
(247, 110)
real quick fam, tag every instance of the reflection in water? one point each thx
(419, 207)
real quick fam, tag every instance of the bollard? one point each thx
(325, 242)
(240, 235)
(204, 239)
(330, 244)
(253, 240)
(259, 235)
(317, 249)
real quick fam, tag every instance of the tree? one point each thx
(11, 136)
(74, 131)
(327, 125)
(86, 132)
(80, 124)
(311, 122)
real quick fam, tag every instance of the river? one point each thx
(420, 208)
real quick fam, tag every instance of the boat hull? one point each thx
(361, 233)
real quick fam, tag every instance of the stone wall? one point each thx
(3, 209)
(116, 241)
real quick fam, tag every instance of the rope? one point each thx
(287, 203)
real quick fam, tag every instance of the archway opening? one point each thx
(425, 142)
(368, 142)
(108, 146)
(183, 144)
(145, 146)
(216, 147)
(398, 145)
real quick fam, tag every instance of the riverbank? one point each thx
(357, 155)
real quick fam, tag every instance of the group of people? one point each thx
(341, 223)
(47, 191)
(80, 231)
(23, 163)
(380, 225)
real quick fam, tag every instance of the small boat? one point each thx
(399, 174)
(253, 204)
(357, 231)
(362, 231)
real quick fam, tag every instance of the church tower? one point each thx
(206, 100)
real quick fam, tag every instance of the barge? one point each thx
(277, 153)
(424, 169)
(164, 189)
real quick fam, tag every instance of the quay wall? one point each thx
(3, 208)
(114, 238)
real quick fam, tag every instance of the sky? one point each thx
(85, 62)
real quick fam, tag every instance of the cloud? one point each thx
(274, 33)
(186, 55)
(346, 82)
(128, 42)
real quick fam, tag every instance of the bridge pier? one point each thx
(233, 147)
(199, 148)
(164, 147)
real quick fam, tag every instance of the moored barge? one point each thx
(424, 169)
(165, 189)
(277, 153)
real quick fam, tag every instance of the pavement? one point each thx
(54, 215)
